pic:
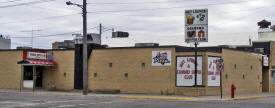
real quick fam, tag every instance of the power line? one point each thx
(46, 18)
(9, 1)
(59, 34)
(27, 3)
(221, 12)
(102, 12)
(111, 3)
(134, 10)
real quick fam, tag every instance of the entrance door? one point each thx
(39, 77)
(28, 77)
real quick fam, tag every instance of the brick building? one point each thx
(149, 70)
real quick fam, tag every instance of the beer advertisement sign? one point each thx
(185, 75)
(161, 58)
(196, 25)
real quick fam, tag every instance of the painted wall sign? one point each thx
(265, 61)
(161, 58)
(186, 71)
(196, 25)
(213, 71)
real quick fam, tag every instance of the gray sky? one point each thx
(230, 21)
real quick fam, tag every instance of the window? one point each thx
(126, 75)
(251, 67)
(226, 76)
(235, 66)
(65, 74)
(95, 75)
(143, 64)
(273, 76)
(110, 64)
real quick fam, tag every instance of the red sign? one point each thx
(36, 55)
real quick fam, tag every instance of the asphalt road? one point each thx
(30, 100)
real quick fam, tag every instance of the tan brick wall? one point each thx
(266, 80)
(148, 79)
(55, 75)
(157, 80)
(10, 71)
(243, 60)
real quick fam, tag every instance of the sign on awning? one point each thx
(37, 62)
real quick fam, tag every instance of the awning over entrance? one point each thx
(37, 62)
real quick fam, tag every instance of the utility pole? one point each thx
(85, 57)
(100, 29)
(196, 56)
(32, 33)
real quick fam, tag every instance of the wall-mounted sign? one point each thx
(196, 25)
(161, 58)
(36, 55)
(213, 71)
(265, 61)
(186, 71)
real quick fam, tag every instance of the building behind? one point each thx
(266, 32)
(5, 42)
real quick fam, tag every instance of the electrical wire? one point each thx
(103, 12)
(135, 10)
(59, 34)
(9, 1)
(112, 3)
(46, 18)
(27, 3)
(221, 12)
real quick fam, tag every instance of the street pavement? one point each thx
(46, 99)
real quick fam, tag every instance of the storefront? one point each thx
(33, 64)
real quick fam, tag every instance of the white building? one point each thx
(264, 32)
(5, 42)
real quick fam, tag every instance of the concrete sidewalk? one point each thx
(145, 96)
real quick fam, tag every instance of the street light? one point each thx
(70, 3)
(85, 63)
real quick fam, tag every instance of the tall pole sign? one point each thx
(196, 30)
(196, 25)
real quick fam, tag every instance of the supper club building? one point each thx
(148, 70)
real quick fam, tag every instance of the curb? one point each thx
(252, 97)
(244, 98)
(159, 98)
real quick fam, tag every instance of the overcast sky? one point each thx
(230, 21)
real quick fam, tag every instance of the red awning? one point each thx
(37, 62)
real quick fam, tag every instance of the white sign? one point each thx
(161, 58)
(213, 72)
(196, 25)
(186, 71)
(36, 55)
(196, 33)
(265, 61)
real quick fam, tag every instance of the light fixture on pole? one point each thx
(85, 57)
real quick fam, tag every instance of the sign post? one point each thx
(220, 68)
(196, 30)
